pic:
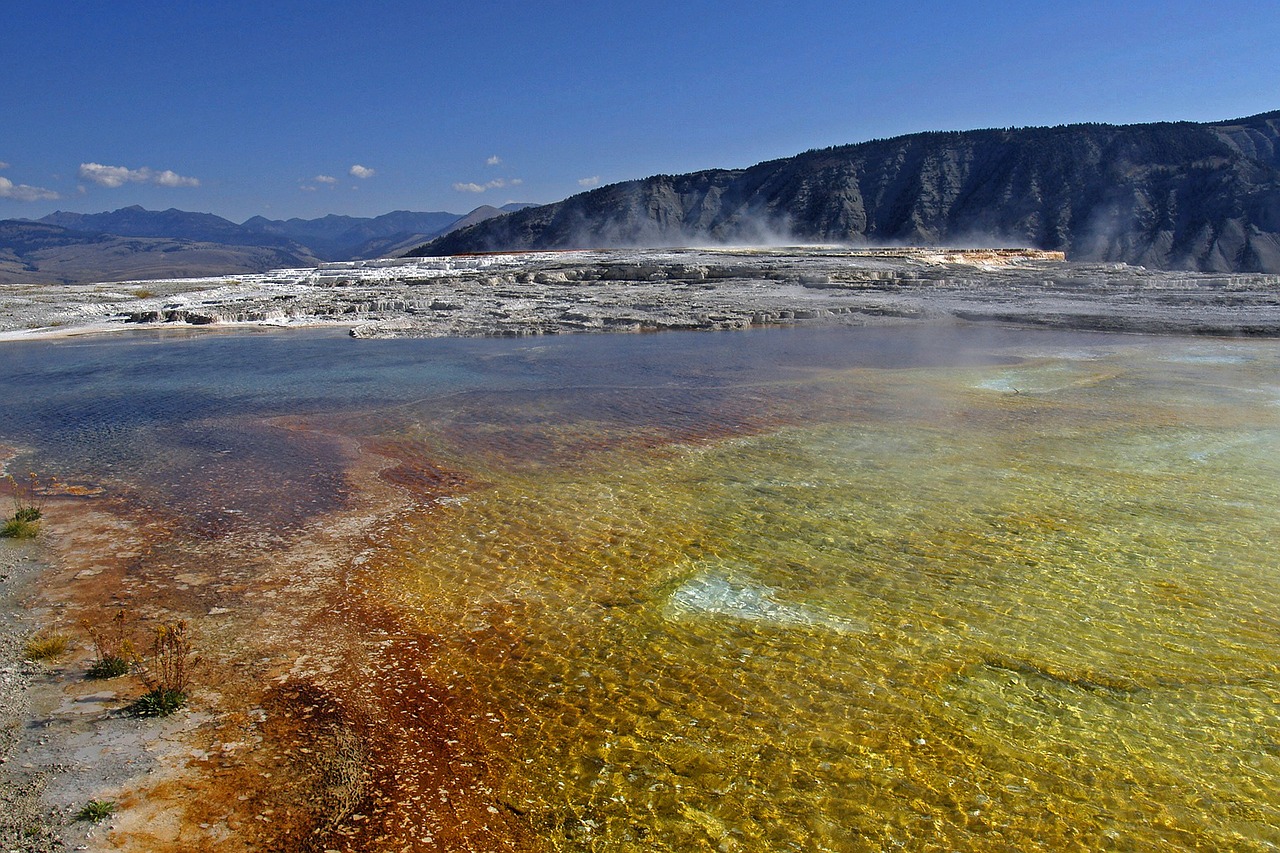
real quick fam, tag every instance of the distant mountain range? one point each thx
(135, 243)
(1176, 195)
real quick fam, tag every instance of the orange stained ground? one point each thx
(319, 730)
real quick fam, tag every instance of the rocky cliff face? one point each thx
(1170, 195)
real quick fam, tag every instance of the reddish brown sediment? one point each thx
(435, 761)
(417, 472)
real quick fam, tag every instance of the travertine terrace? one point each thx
(630, 290)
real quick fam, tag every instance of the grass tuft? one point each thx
(46, 646)
(27, 509)
(16, 528)
(96, 810)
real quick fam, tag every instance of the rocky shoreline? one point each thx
(618, 290)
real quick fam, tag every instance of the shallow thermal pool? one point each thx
(952, 588)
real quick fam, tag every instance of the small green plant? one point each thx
(46, 646)
(28, 513)
(115, 654)
(28, 509)
(96, 810)
(166, 674)
(158, 702)
(109, 667)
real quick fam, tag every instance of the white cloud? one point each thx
(495, 160)
(325, 179)
(362, 171)
(495, 184)
(118, 176)
(592, 181)
(109, 176)
(3, 165)
(169, 178)
(307, 188)
(22, 192)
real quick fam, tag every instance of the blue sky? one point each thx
(306, 108)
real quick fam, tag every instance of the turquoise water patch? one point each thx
(722, 591)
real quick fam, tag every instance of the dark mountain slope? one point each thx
(328, 238)
(20, 236)
(384, 243)
(174, 224)
(335, 237)
(41, 252)
(1168, 195)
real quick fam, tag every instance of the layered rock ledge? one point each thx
(618, 290)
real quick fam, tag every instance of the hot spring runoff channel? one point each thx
(936, 587)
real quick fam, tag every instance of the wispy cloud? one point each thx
(3, 165)
(592, 181)
(23, 192)
(168, 178)
(495, 160)
(362, 172)
(118, 176)
(309, 184)
(495, 184)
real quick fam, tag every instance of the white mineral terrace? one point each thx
(529, 293)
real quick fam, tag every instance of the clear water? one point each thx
(790, 590)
